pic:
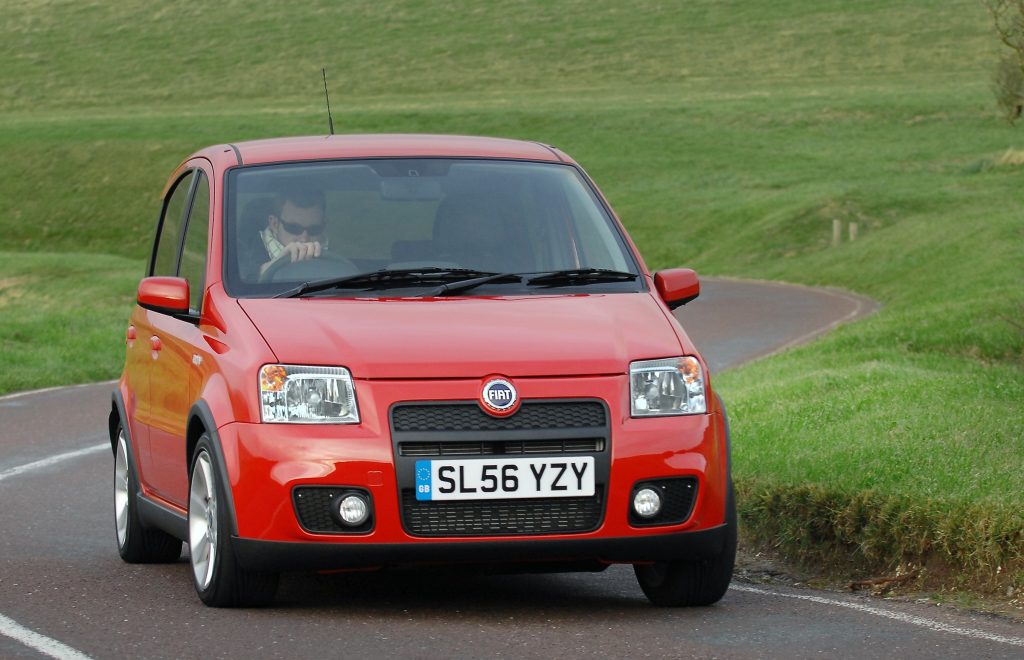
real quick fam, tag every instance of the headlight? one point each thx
(673, 386)
(307, 395)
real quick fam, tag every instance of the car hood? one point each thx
(463, 337)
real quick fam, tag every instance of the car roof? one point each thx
(323, 147)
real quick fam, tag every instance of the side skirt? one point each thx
(162, 518)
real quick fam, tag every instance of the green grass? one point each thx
(728, 135)
(62, 316)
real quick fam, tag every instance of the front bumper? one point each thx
(280, 556)
(266, 462)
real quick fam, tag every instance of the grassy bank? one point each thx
(62, 316)
(728, 135)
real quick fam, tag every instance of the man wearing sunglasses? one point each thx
(295, 227)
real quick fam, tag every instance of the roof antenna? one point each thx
(330, 120)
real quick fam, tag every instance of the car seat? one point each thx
(476, 232)
(251, 252)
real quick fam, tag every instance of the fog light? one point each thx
(353, 510)
(647, 502)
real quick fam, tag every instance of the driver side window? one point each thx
(165, 255)
(187, 210)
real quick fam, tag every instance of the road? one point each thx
(65, 593)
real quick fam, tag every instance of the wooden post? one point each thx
(853, 231)
(837, 232)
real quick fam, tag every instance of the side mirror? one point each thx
(677, 286)
(167, 295)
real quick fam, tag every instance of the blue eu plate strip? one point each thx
(424, 489)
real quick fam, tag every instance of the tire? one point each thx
(136, 543)
(218, 579)
(695, 582)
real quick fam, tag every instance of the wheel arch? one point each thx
(729, 491)
(197, 426)
(202, 421)
(117, 416)
(728, 438)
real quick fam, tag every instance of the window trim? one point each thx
(199, 174)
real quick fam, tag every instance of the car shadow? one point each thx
(443, 591)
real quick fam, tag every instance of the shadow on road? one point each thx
(448, 591)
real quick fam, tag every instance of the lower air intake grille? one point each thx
(677, 498)
(555, 515)
(313, 506)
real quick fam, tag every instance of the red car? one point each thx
(363, 352)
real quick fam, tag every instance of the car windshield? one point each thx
(420, 226)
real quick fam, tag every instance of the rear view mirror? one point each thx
(167, 295)
(410, 189)
(677, 286)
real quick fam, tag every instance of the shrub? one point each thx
(1008, 21)
(1008, 87)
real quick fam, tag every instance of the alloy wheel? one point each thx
(121, 489)
(202, 521)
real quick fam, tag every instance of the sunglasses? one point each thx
(295, 229)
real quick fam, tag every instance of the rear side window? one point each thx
(165, 256)
(193, 254)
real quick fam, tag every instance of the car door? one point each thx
(179, 345)
(142, 348)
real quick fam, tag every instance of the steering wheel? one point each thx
(322, 267)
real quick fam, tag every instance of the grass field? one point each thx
(728, 135)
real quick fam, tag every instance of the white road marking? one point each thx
(41, 643)
(898, 616)
(18, 395)
(51, 460)
(10, 628)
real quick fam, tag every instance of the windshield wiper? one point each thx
(464, 285)
(384, 278)
(581, 276)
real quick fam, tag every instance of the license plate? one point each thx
(506, 478)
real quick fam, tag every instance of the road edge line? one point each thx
(42, 643)
(44, 390)
(51, 460)
(912, 619)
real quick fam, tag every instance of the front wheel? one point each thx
(692, 582)
(218, 579)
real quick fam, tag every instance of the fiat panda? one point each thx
(387, 351)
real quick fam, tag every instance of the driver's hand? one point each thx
(299, 251)
(295, 251)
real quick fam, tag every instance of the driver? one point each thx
(295, 227)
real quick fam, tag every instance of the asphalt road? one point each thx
(65, 593)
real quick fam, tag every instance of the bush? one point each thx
(1008, 21)
(1009, 87)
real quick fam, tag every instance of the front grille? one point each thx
(518, 447)
(313, 506)
(554, 515)
(407, 418)
(677, 498)
(440, 430)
